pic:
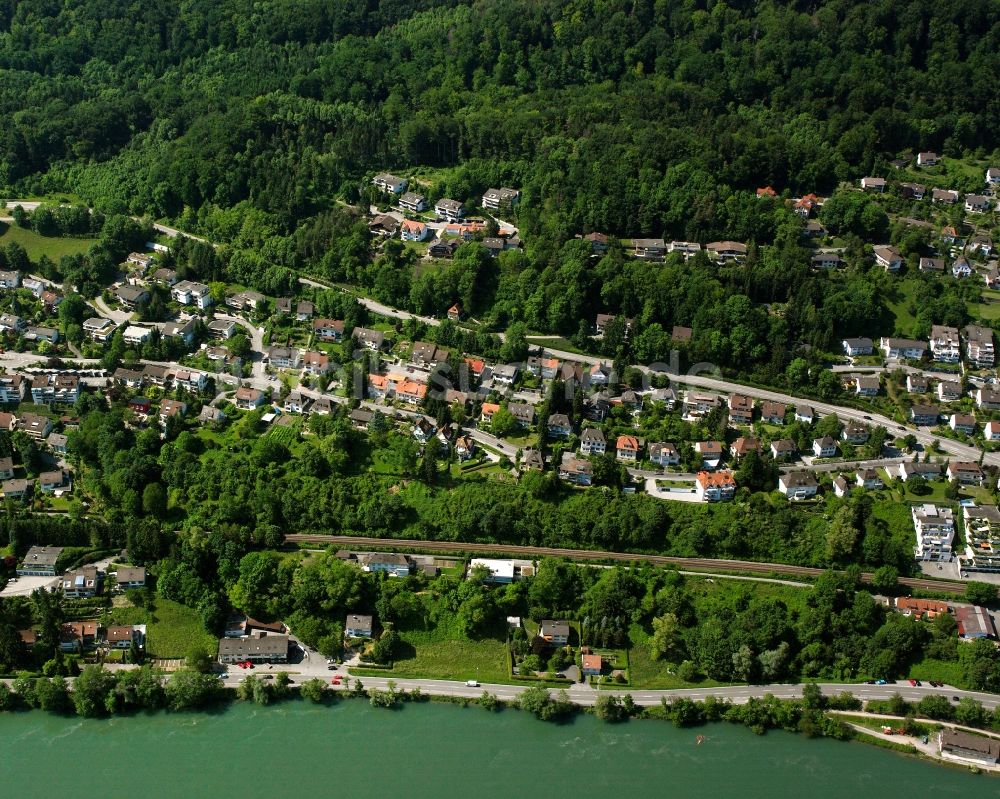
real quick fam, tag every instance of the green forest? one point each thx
(253, 125)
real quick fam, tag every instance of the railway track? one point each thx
(453, 547)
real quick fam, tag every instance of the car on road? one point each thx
(335, 680)
(869, 418)
(913, 683)
(472, 683)
(880, 682)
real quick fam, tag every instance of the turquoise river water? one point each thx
(430, 750)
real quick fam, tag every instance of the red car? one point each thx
(913, 683)
(335, 681)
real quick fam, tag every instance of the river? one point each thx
(351, 749)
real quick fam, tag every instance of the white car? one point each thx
(472, 683)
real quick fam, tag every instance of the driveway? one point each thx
(25, 585)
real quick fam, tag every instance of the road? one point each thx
(402, 544)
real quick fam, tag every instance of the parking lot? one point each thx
(22, 586)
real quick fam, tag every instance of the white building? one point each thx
(935, 530)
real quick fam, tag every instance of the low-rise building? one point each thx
(83, 583)
(965, 747)
(40, 562)
(258, 647)
(965, 472)
(627, 448)
(99, 329)
(858, 346)
(715, 486)
(963, 423)
(798, 485)
(979, 351)
(358, 626)
(925, 414)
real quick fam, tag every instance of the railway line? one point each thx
(452, 547)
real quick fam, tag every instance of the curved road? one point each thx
(944, 586)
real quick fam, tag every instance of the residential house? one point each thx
(494, 245)
(502, 198)
(925, 414)
(965, 472)
(14, 324)
(140, 406)
(903, 348)
(982, 244)
(128, 577)
(454, 313)
(442, 248)
(141, 260)
(743, 446)
(413, 202)
(8, 421)
(523, 413)
(854, 433)
(258, 647)
(6, 468)
(57, 443)
(10, 280)
(909, 470)
(554, 633)
(170, 409)
(866, 385)
(798, 485)
(394, 564)
(504, 374)
(532, 460)
(628, 448)
(873, 184)
(465, 448)
(221, 329)
(184, 330)
(963, 423)
(783, 449)
(649, 249)
(328, 329)
(740, 409)
(122, 636)
(841, 488)
(136, 335)
(449, 210)
(992, 431)
(935, 530)
(598, 243)
(384, 225)
(592, 441)
(726, 251)
(927, 159)
(663, 453)
(14, 489)
(888, 258)
(78, 636)
(99, 329)
(410, 230)
(912, 191)
(389, 183)
(949, 391)
(961, 268)
(357, 626)
(131, 296)
(370, 339)
(248, 399)
(868, 479)
(315, 363)
(944, 196)
(773, 412)
(36, 427)
(932, 265)
(916, 384)
(411, 392)
(591, 665)
(804, 413)
(976, 622)
(41, 334)
(825, 447)
(304, 310)
(130, 378)
(34, 285)
(993, 176)
(51, 482)
(715, 486)
(681, 333)
(603, 320)
(600, 374)
(710, 452)
(987, 399)
(686, 249)
(978, 203)
(920, 608)
(857, 346)
(423, 430)
(284, 357)
(188, 379)
(559, 426)
(164, 276)
(575, 470)
(84, 583)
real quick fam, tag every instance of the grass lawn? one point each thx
(435, 655)
(54, 247)
(989, 311)
(947, 671)
(172, 629)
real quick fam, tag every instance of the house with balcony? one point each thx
(963, 423)
(857, 346)
(934, 527)
(649, 249)
(628, 448)
(979, 351)
(592, 441)
(663, 453)
(967, 473)
(903, 348)
(413, 202)
(740, 409)
(389, 183)
(888, 258)
(502, 198)
(798, 485)
(944, 344)
(825, 447)
(715, 486)
(449, 210)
